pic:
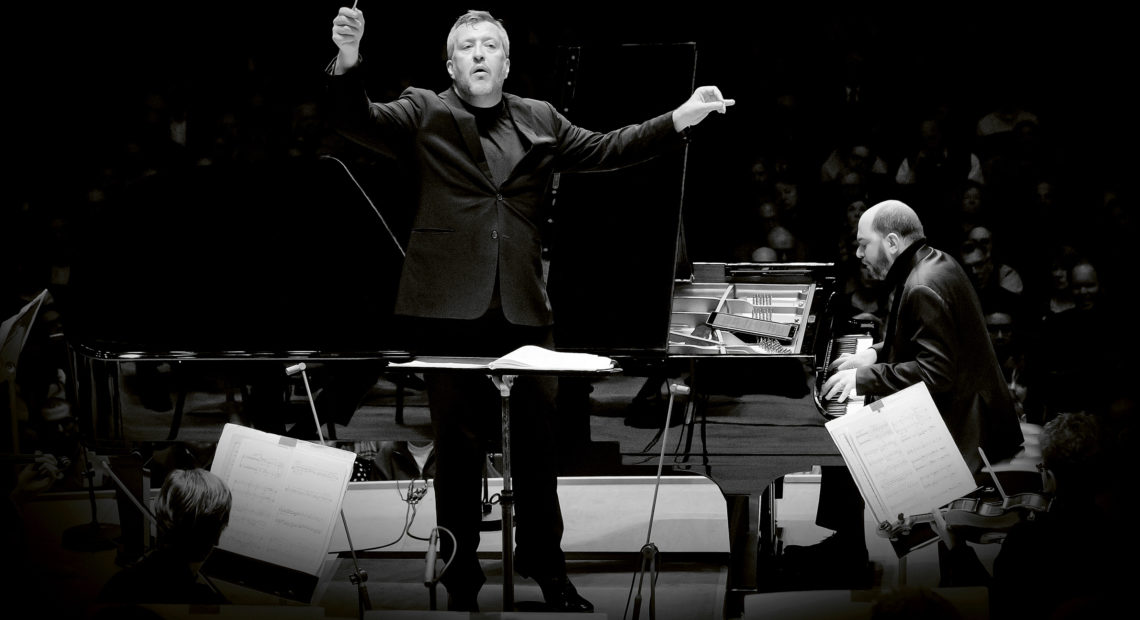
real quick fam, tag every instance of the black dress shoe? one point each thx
(562, 596)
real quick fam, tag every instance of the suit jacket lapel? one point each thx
(466, 123)
(521, 115)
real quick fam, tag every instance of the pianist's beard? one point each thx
(877, 266)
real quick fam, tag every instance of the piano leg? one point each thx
(95, 391)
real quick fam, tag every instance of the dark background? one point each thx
(84, 78)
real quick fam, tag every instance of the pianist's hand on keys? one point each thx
(841, 384)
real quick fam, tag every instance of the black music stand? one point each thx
(504, 379)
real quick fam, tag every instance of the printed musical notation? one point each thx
(286, 496)
(901, 455)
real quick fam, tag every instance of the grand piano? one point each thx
(241, 271)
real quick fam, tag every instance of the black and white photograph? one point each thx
(363, 309)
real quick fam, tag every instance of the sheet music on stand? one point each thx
(901, 455)
(287, 497)
(524, 358)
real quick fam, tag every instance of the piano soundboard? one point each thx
(739, 318)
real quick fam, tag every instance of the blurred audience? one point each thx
(986, 271)
(1011, 334)
(1077, 356)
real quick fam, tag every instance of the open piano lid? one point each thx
(614, 238)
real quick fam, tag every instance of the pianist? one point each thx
(935, 333)
(472, 278)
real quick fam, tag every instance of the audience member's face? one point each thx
(760, 173)
(789, 194)
(479, 65)
(858, 158)
(1085, 286)
(971, 201)
(781, 239)
(1060, 279)
(855, 210)
(977, 255)
(979, 267)
(1000, 326)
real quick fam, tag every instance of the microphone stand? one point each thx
(92, 536)
(358, 576)
(649, 550)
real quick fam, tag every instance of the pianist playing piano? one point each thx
(936, 333)
(472, 278)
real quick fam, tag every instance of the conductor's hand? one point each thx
(347, 31)
(704, 100)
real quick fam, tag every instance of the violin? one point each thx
(981, 518)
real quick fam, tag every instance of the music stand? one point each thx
(504, 379)
(301, 484)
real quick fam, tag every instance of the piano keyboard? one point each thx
(854, 343)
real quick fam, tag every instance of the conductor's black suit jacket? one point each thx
(467, 229)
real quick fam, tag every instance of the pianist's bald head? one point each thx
(885, 231)
(893, 216)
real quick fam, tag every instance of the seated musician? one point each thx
(192, 510)
(1059, 561)
(935, 333)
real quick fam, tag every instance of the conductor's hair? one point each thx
(192, 510)
(893, 216)
(470, 18)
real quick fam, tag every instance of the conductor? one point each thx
(472, 279)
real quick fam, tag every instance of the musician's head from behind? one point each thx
(1074, 454)
(478, 58)
(192, 510)
(885, 231)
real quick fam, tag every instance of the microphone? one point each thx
(429, 569)
(294, 369)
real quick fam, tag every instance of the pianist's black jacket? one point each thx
(466, 229)
(940, 338)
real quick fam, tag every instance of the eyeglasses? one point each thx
(973, 245)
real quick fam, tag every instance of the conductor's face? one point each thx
(479, 64)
